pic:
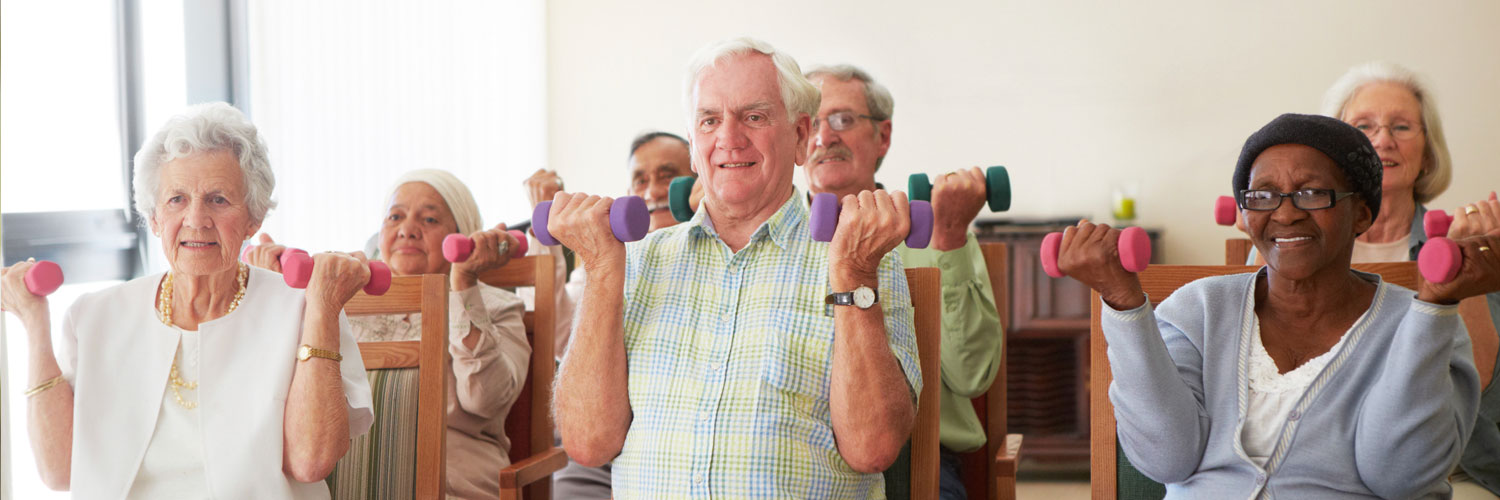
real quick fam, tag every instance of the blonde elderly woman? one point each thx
(487, 345)
(188, 383)
(1397, 112)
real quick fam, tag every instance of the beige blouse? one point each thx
(482, 384)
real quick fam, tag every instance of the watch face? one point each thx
(303, 353)
(864, 297)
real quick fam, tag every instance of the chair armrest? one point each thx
(1009, 457)
(530, 470)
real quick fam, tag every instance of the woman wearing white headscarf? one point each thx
(489, 354)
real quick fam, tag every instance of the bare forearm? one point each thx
(593, 404)
(49, 412)
(870, 403)
(316, 426)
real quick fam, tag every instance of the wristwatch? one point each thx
(307, 351)
(862, 297)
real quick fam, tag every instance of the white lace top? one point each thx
(1273, 394)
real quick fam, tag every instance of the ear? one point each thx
(884, 129)
(804, 132)
(1363, 218)
(155, 229)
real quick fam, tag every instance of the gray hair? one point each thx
(797, 94)
(1437, 170)
(204, 128)
(877, 98)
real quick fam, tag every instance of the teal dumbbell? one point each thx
(997, 188)
(678, 194)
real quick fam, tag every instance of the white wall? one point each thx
(1071, 96)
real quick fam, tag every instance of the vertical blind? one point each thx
(350, 94)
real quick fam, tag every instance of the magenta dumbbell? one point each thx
(1224, 210)
(43, 278)
(1440, 257)
(1134, 244)
(628, 220)
(825, 219)
(458, 247)
(297, 268)
(1436, 223)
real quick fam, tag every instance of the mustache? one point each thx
(824, 152)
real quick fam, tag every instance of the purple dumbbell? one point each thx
(628, 220)
(825, 219)
(1134, 246)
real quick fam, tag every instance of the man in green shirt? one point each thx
(851, 134)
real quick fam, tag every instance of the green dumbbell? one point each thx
(997, 188)
(678, 194)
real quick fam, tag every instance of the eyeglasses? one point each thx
(1401, 131)
(1306, 199)
(840, 121)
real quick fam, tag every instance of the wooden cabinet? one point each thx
(1048, 347)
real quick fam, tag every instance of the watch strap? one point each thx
(313, 352)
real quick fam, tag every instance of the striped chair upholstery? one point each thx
(382, 463)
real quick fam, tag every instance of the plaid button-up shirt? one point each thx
(730, 358)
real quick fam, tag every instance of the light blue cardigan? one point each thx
(1388, 416)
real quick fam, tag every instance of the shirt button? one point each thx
(698, 478)
(1260, 479)
(1295, 415)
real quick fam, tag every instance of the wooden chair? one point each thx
(377, 463)
(926, 286)
(533, 456)
(1475, 312)
(1111, 474)
(990, 472)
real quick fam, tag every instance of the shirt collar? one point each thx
(780, 227)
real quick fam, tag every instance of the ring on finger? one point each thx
(1469, 209)
(503, 248)
(1484, 249)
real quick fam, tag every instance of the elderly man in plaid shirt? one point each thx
(705, 362)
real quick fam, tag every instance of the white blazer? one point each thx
(117, 355)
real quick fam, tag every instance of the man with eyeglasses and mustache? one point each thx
(655, 159)
(851, 135)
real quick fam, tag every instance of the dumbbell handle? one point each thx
(1134, 246)
(458, 247)
(43, 278)
(825, 219)
(628, 220)
(297, 268)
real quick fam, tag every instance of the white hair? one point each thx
(797, 94)
(204, 128)
(877, 98)
(1437, 166)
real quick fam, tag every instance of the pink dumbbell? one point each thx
(457, 247)
(1436, 223)
(297, 268)
(1440, 257)
(1224, 210)
(1135, 251)
(43, 278)
(825, 219)
(628, 220)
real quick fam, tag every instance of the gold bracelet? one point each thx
(50, 383)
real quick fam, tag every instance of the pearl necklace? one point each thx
(164, 310)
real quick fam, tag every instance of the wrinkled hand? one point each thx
(581, 222)
(15, 298)
(1090, 253)
(486, 256)
(1479, 274)
(266, 255)
(956, 200)
(871, 224)
(542, 186)
(1485, 219)
(335, 278)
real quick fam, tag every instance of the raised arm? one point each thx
(316, 425)
(591, 401)
(49, 411)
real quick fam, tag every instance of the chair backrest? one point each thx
(926, 287)
(387, 462)
(1111, 475)
(990, 407)
(1475, 312)
(529, 424)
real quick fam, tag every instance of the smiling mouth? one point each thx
(198, 244)
(1292, 240)
(1389, 164)
(832, 159)
(658, 206)
(737, 165)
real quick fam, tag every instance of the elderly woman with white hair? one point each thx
(1392, 106)
(189, 383)
(488, 352)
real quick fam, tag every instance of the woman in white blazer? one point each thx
(195, 383)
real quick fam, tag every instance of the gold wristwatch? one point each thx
(307, 351)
